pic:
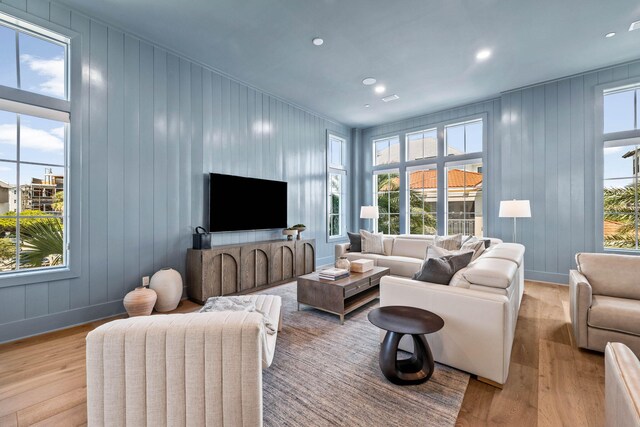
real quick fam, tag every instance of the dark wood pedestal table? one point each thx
(399, 321)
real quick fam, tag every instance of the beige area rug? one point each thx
(327, 374)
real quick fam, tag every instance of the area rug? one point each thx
(327, 374)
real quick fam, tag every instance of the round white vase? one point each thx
(168, 285)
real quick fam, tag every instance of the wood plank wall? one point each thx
(154, 125)
(542, 147)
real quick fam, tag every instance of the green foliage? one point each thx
(620, 208)
(423, 219)
(58, 204)
(42, 243)
(8, 224)
(7, 253)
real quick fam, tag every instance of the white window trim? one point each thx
(455, 164)
(406, 143)
(409, 170)
(342, 170)
(24, 102)
(375, 190)
(373, 145)
(602, 140)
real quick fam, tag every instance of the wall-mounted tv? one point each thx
(238, 203)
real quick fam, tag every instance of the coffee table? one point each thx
(340, 296)
(399, 321)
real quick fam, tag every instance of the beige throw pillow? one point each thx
(438, 252)
(372, 243)
(450, 243)
(474, 244)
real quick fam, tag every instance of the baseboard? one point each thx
(543, 276)
(53, 322)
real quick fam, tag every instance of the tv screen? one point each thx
(239, 203)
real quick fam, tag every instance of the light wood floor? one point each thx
(551, 382)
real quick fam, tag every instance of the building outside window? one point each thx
(336, 186)
(621, 206)
(464, 199)
(423, 200)
(34, 120)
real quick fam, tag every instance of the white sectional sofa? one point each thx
(480, 312)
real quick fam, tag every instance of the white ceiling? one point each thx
(422, 50)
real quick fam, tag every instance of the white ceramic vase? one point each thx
(168, 285)
(343, 263)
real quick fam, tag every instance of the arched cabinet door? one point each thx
(305, 256)
(222, 271)
(254, 266)
(282, 260)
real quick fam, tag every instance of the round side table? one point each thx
(399, 321)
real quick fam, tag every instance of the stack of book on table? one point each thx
(334, 274)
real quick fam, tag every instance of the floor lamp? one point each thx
(515, 209)
(369, 212)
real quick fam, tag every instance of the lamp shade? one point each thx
(369, 212)
(515, 209)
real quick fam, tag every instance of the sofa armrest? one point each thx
(165, 369)
(580, 298)
(477, 336)
(341, 249)
(622, 386)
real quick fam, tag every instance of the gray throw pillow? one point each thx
(441, 270)
(355, 241)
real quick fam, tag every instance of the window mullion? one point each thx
(18, 60)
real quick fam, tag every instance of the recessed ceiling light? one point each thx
(368, 81)
(380, 89)
(483, 54)
(634, 26)
(609, 35)
(367, 105)
(390, 98)
(317, 41)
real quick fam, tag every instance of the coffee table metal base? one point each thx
(415, 370)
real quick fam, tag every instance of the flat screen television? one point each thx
(238, 203)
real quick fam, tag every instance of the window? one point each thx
(464, 198)
(336, 186)
(34, 120)
(463, 138)
(422, 188)
(388, 201)
(422, 145)
(620, 196)
(620, 107)
(386, 151)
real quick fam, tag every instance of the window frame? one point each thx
(386, 138)
(375, 198)
(409, 170)
(342, 170)
(457, 164)
(439, 161)
(30, 103)
(423, 131)
(628, 137)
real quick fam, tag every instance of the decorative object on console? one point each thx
(201, 238)
(290, 232)
(369, 212)
(355, 242)
(441, 270)
(372, 243)
(167, 283)
(362, 265)
(300, 228)
(343, 263)
(515, 209)
(140, 301)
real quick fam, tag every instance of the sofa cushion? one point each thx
(372, 242)
(475, 245)
(494, 272)
(400, 266)
(355, 239)
(610, 274)
(352, 256)
(458, 280)
(441, 270)
(615, 314)
(387, 244)
(509, 251)
(413, 248)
